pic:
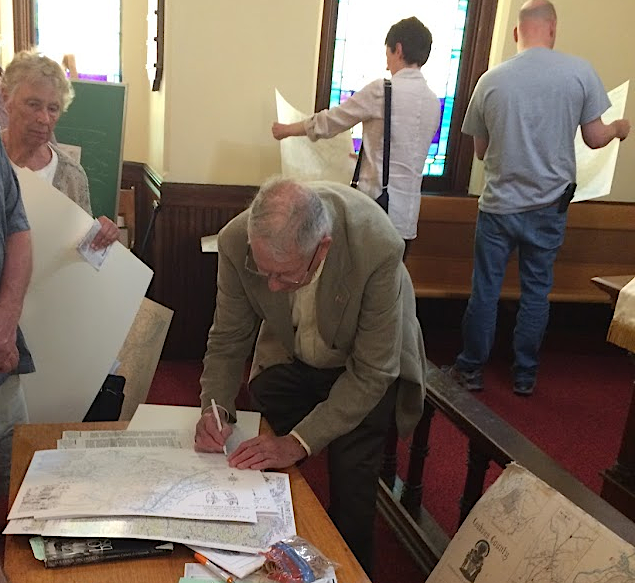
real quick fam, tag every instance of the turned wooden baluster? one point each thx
(477, 465)
(419, 448)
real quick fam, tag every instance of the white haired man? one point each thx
(315, 273)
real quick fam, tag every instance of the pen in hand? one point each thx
(218, 423)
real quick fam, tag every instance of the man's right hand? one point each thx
(208, 437)
(622, 128)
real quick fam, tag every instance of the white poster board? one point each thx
(302, 159)
(75, 318)
(596, 168)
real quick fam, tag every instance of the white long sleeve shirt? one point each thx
(415, 116)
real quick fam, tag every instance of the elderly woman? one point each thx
(36, 92)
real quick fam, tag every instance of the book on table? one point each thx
(63, 552)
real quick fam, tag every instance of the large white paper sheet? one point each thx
(523, 530)
(175, 483)
(75, 319)
(303, 159)
(596, 168)
(155, 417)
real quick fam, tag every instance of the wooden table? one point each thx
(312, 523)
(618, 482)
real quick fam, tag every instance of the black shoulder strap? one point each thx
(383, 198)
(358, 166)
(387, 111)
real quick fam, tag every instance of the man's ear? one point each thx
(325, 244)
(398, 50)
(515, 34)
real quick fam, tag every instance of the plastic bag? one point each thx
(295, 560)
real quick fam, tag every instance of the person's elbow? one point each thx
(480, 147)
(595, 134)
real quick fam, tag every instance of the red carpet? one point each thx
(576, 415)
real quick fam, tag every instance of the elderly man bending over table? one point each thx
(36, 92)
(315, 272)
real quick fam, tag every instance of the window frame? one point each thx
(24, 33)
(23, 25)
(479, 27)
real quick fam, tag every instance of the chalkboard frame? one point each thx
(95, 122)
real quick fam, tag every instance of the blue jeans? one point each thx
(537, 234)
(12, 411)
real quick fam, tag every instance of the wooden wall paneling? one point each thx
(23, 25)
(185, 277)
(599, 241)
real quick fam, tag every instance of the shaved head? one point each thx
(536, 25)
(537, 10)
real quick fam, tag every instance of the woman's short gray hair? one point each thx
(32, 67)
(289, 216)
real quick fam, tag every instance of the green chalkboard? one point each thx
(94, 121)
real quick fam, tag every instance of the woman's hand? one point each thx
(280, 131)
(108, 233)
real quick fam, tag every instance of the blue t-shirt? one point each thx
(529, 108)
(12, 220)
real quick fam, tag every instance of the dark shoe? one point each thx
(524, 389)
(470, 380)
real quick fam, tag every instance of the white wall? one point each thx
(224, 61)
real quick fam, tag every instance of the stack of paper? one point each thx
(149, 483)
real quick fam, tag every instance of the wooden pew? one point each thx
(600, 239)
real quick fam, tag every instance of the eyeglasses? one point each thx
(281, 277)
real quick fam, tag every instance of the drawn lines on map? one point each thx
(556, 551)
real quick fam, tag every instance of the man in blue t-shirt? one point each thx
(15, 272)
(523, 117)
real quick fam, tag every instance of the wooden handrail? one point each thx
(491, 439)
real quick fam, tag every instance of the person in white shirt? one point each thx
(415, 116)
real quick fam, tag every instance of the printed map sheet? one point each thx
(140, 353)
(159, 417)
(175, 483)
(306, 160)
(231, 536)
(596, 168)
(522, 531)
(99, 439)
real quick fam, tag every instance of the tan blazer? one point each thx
(365, 307)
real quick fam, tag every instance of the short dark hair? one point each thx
(415, 39)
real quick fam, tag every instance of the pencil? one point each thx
(224, 575)
(218, 423)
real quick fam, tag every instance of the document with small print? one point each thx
(522, 530)
(175, 483)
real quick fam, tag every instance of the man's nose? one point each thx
(274, 284)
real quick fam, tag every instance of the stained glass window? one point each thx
(359, 56)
